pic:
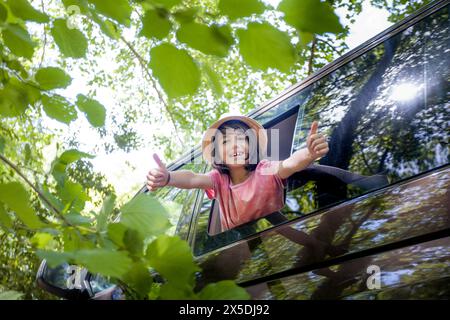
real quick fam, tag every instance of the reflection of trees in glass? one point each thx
(416, 208)
(300, 200)
(407, 131)
(377, 126)
(416, 272)
(419, 272)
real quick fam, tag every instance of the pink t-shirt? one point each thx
(259, 195)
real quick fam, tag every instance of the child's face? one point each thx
(233, 148)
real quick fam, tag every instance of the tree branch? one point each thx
(311, 57)
(329, 44)
(45, 37)
(38, 192)
(147, 72)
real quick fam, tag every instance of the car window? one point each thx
(387, 116)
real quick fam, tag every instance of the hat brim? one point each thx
(207, 141)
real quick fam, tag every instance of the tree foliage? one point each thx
(194, 56)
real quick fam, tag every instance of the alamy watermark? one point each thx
(373, 282)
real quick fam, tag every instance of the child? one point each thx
(246, 186)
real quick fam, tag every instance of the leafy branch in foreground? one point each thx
(129, 251)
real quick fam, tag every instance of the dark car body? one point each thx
(386, 236)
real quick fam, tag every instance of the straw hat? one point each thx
(207, 145)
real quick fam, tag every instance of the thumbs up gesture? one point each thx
(316, 142)
(157, 177)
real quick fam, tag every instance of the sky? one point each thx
(116, 165)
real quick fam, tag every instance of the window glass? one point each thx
(387, 116)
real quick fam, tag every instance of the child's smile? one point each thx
(233, 148)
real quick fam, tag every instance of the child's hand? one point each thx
(316, 142)
(158, 177)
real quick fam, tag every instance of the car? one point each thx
(371, 219)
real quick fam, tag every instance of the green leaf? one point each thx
(139, 278)
(166, 254)
(73, 194)
(14, 195)
(155, 24)
(223, 290)
(3, 13)
(214, 80)
(2, 144)
(106, 262)
(18, 40)
(173, 291)
(82, 5)
(14, 98)
(305, 37)
(73, 155)
(58, 108)
(78, 219)
(54, 258)
(73, 241)
(209, 40)
(42, 240)
(60, 164)
(105, 212)
(55, 202)
(71, 42)
(166, 3)
(22, 9)
(108, 27)
(52, 78)
(17, 66)
(119, 11)
(5, 219)
(27, 151)
(263, 46)
(116, 232)
(175, 70)
(312, 16)
(185, 15)
(10, 295)
(236, 9)
(134, 243)
(95, 112)
(145, 215)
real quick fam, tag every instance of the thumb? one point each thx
(158, 161)
(314, 127)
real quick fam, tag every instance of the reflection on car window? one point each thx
(387, 115)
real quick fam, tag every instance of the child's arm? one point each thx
(317, 147)
(186, 179)
(183, 179)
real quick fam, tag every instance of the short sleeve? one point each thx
(270, 167)
(215, 178)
